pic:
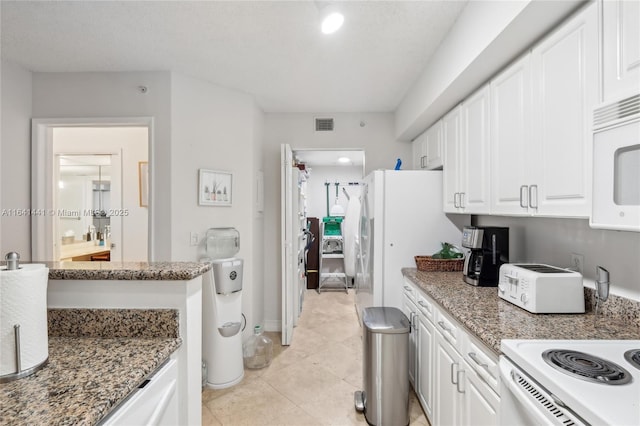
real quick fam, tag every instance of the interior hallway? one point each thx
(310, 382)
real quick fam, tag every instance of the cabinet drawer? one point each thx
(449, 329)
(153, 402)
(409, 290)
(483, 362)
(425, 305)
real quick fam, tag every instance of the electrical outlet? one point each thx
(577, 262)
(194, 238)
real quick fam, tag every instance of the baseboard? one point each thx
(272, 325)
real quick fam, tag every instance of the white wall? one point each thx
(551, 241)
(376, 137)
(317, 192)
(132, 142)
(116, 94)
(213, 128)
(486, 37)
(15, 158)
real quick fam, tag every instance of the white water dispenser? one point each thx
(222, 310)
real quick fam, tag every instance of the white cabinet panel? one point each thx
(426, 344)
(620, 46)
(427, 149)
(418, 149)
(433, 145)
(451, 150)
(510, 121)
(541, 125)
(564, 74)
(154, 404)
(481, 405)
(448, 398)
(476, 153)
(411, 311)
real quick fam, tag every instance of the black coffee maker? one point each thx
(489, 249)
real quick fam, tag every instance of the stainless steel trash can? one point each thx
(385, 363)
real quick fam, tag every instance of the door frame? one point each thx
(42, 173)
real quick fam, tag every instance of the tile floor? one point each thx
(310, 382)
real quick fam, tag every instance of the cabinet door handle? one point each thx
(455, 200)
(407, 288)
(424, 305)
(453, 382)
(475, 359)
(459, 381)
(531, 196)
(412, 325)
(523, 199)
(444, 327)
(462, 194)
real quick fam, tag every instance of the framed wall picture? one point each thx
(143, 183)
(214, 188)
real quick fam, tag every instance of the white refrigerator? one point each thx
(401, 217)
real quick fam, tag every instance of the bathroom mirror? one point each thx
(83, 200)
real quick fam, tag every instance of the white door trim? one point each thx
(42, 173)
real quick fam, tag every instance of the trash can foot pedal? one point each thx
(358, 400)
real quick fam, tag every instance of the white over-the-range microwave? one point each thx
(616, 166)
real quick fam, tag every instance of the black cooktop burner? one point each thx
(633, 356)
(586, 367)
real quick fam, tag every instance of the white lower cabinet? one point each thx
(448, 388)
(154, 402)
(426, 344)
(481, 404)
(454, 375)
(411, 311)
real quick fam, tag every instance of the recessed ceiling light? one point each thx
(332, 20)
(344, 160)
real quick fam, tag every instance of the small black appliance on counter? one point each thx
(489, 249)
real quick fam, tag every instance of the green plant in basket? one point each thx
(448, 251)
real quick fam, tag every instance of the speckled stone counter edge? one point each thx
(158, 271)
(111, 323)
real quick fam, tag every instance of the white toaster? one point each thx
(541, 289)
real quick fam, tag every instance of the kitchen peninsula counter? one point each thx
(84, 379)
(155, 271)
(492, 319)
(142, 286)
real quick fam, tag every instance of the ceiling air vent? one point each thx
(324, 124)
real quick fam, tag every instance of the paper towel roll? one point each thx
(23, 301)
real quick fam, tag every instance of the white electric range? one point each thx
(602, 388)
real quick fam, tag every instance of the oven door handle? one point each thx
(507, 373)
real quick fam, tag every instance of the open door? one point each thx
(286, 226)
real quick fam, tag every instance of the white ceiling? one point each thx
(273, 50)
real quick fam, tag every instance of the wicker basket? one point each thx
(428, 264)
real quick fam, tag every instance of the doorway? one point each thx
(90, 179)
(304, 194)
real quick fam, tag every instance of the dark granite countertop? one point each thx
(159, 271)
(96, 358)
(491, 319)
(84, 379)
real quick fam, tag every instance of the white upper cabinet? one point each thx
(620, 44)
(419, 151)
(541, 127)
(433, 147)
(510, 132)
(451, 152)
(427, 149)
(565, 82)
(475, 154)
(466, 156)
